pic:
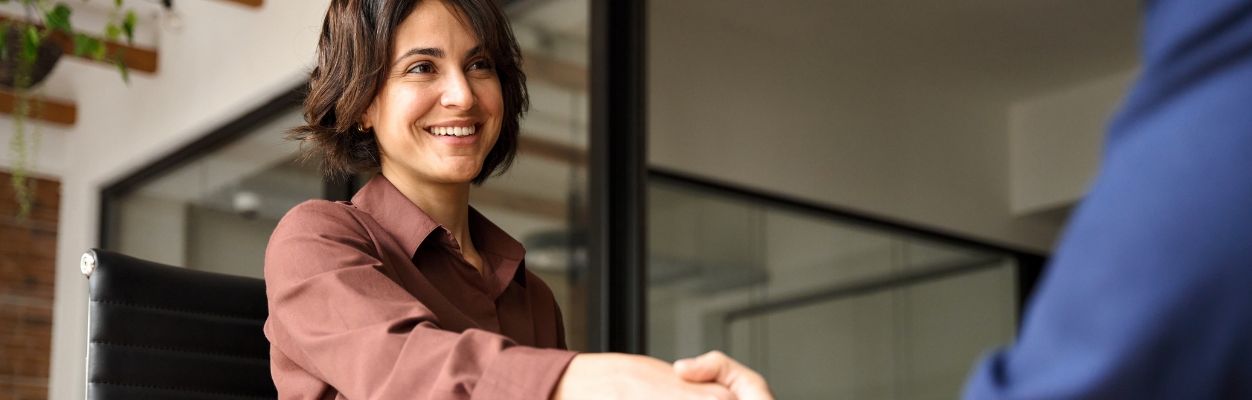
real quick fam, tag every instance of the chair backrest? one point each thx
(162, 332)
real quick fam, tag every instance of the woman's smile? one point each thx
(455, 133)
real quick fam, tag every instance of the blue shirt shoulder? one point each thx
(1149, 292)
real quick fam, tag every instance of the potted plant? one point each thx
(28, 53)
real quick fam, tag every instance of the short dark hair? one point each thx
(353, 55)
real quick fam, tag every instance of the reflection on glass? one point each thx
(541, 201)
(216, 212)
(821, 307)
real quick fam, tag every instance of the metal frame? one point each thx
(853, 289)
(1029, 263)
(863, 287)
(618, 177)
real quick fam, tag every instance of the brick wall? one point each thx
(27, 275)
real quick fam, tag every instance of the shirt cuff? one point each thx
(524, 373)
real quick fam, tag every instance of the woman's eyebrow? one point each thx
(424, 51)
(434, 52)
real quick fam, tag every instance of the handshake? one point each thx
(712, 376)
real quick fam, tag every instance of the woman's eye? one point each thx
(422, 68)
(481, 64)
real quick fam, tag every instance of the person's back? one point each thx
(1149, 294)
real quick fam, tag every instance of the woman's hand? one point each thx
(716, 367)
(627, 377)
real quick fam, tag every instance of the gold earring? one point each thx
(361, 127)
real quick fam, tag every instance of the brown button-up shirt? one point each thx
(372, 299)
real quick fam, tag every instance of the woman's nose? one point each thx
(457, 92)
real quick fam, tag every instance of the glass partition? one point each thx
(215, 211)
(823, 307)
(542, 200)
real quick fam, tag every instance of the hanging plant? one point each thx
(27, 55)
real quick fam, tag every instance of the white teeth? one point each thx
(452, 130)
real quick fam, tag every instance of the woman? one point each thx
(406, 291)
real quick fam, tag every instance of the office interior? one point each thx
(852, 197)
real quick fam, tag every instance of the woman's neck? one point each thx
(447, 204)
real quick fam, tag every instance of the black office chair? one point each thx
(162, 332)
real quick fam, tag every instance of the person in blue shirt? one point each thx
(1149, 292)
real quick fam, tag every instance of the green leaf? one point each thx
(112, 32)
(30, 46)
(121, 67)
(81, 42)
(98, 53)
(4, 39)
(59, 19)
(117, 3)
(86, 45)
(128, 26)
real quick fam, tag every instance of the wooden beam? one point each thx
(560, 73)
(249, 3)
(552, 150)
(136, 58)
(53, 111)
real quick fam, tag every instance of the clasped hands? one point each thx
(624, 376)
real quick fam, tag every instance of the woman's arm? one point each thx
(336, 313)
(626, 376)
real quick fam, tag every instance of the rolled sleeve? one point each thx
(523, 373)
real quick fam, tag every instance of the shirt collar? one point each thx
(411, 226)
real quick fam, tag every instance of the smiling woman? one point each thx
(407, 291)
(439, 111)
(355, 68)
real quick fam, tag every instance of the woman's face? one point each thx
(439, 111)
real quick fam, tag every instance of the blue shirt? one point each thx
(1149, 292)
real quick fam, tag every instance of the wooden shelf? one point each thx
(54, 111)
(136, 58)
(249, 3)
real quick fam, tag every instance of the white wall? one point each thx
(1055, 142)
(224, 61)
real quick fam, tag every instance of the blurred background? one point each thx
(852, 197)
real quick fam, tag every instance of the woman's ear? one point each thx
(368, 120)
